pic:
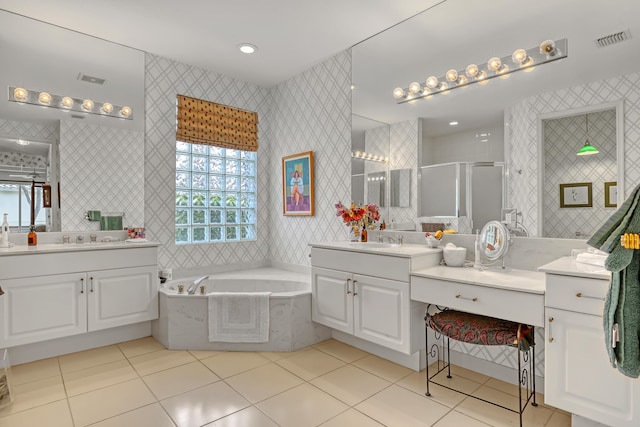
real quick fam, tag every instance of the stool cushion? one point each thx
(477, 329)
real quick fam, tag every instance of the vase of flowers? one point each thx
(359, 219)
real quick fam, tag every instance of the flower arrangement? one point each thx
(358, 217)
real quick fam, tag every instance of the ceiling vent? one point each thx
(91, 79)
(77, 116)
(614, 38)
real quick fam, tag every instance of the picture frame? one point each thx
(611, 194)
(297, 184)
(576, 195)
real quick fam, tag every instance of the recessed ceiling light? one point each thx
(353, 87)
(247, 48)
(453, 123)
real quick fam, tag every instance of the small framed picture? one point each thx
(576, 195)
(611, 194)
(297, 184)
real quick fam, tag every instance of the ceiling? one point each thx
(294, 35)
(291, 35)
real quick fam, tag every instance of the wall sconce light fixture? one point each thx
(66, 103)
(520, 60)
(369, 157)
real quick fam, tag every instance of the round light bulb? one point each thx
(519, 56)
(452, 75)
(462, 80)
(414, 87)
(444, 86)
(67, 102)
(398, 93)
(247, 48)
(386, 159)
(471, 70)
(494, 64)
(482, 78)
(44, 98)
(432, 82)
(125, 111)
(548, 47)
(87, 105)
(425, 91)
(107, 108)
(20, 94)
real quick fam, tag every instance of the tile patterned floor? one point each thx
(140, 383)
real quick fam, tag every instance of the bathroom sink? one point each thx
(374, 245)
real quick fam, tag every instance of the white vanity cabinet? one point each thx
(50, 295)
(578, 375)
(376, 306)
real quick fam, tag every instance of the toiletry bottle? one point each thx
(363, 235)
(477, 263)
(4, 242)
(32, 237)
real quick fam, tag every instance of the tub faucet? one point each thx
(192, 289)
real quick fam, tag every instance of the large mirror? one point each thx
(498, 122)
(94, 160)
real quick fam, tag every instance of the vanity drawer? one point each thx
(576, 293)
(523, 307)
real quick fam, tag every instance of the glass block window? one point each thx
(215, 194)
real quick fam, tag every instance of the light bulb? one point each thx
(548, 47)
(125, 111)
(20, 94)
(67, 102)
(87, 105)
(452, 75)
(44, 98)
(107, 108)
(425, 91)
(494, 63)
(386, 159)
(482, 78)
(519, 56)
(432, 82)
(23, 142)
(471, 70)
(357, 154)
(462, 80)
(398, 93)
(414, 87)
(444, 86)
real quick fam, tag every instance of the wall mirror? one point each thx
(400, 188)
(507, 108)
(377, 188)
(44, 57)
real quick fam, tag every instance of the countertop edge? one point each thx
(60, 248)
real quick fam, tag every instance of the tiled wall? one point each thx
(101, 168)
(165, 79)
(562, 138)
(521, 139)
(310, 112)
(42, 132)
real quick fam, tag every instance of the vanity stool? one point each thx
(482, 330)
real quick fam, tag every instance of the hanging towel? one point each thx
(621, 317)
(111, 222)
(239, 317)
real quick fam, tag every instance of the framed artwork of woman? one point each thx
(297, 184)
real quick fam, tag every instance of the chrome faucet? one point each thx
(192, 288)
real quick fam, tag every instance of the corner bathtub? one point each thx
(183, 319)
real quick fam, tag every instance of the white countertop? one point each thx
(73, 247)
(569, 267)
(515, 280)
(407, 250)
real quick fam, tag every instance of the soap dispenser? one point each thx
(4, 241)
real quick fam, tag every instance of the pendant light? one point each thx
(587, 149)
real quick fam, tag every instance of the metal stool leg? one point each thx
(426, 351)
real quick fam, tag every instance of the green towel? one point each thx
(111, 223)
(622, 304)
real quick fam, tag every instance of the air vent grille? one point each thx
(614, 38)
(91, 79)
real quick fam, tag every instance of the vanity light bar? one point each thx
(520, 60)
(368, 156)
(66, 103)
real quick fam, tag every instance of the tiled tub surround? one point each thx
(183, 322)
